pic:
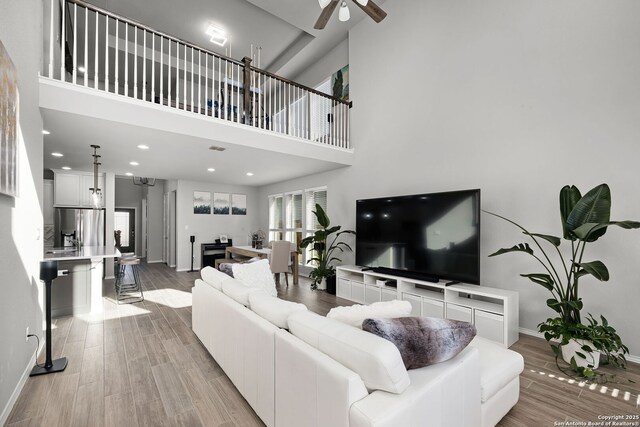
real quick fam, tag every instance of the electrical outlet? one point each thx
(26, 336)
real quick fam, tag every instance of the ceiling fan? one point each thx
(329, 6)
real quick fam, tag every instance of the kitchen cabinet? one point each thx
(73, 189)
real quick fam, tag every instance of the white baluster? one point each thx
(193, 76)
(199, 82)
(75, 42)
(63, 42)
(135, 62)
(95, 54)
(153, 68)
(51, 42)
(117, 70)
(86, 46)
(206, 83)
(106, 53)
(126, 59)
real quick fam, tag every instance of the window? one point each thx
(313, 196)
(291, 216)
(276, 229)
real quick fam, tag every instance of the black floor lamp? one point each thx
(192, 239)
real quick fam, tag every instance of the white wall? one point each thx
(155, 221)
(207, 228)
(517, 98)
(333, 61)
(129, 195)
(21, 217)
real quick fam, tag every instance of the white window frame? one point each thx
(309, 218)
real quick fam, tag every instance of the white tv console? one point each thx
(493, 311)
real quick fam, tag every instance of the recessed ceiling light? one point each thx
(134, 163)
(216, 148)
(57, 154)
(81, 69)
(67, 168)
(211, 170)
(45, 132)
(218, 35)
(129, 174)
(249, 173)
(143, 147)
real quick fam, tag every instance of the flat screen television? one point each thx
(430, 237)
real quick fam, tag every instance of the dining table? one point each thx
(264, 253)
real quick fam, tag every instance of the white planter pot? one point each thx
(322, 285)
(569, 351)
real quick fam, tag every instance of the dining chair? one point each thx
(280, 256)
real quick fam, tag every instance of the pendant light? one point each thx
(343, 14)
(324, 3)
(96, 193)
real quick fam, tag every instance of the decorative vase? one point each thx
(331, 285)
(574, 345)
(322, 285)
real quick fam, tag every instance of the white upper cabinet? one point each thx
(73, 189)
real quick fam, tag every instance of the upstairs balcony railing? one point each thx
(94, 48)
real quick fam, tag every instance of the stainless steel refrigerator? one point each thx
(84, 225)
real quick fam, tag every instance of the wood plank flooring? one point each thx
(141, 365)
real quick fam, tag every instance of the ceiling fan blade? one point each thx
(373, 10)
(326, 15)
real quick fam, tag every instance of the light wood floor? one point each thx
(141, 365)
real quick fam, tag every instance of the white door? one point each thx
(143, 228)
(165, 230)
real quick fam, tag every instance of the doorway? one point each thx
(125, 229)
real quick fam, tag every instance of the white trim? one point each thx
(324, 187)
(183, 269)
(18, 389)
(155, 262)
(174, 266)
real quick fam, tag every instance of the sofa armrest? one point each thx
(312, 389)
(445, 394)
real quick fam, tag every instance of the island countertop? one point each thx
(85, 252)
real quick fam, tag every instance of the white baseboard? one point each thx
(629, 357)
(18, 389)
(155, 262)
(172, 265)
(182, 269)
(109, 277)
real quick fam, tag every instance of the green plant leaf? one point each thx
(596, 268)
(593, 207)
(544, 280)
(332, 230)
(589, 228)
(520, 247)
(569, 196)
(322, 217)
(555, 241)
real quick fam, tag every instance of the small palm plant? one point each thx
(584, 220)
(323, 252)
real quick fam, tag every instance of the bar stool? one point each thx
(119, 270)
(128, 292)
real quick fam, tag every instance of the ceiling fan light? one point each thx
(343, 14)
(363, 2)
(324, 3)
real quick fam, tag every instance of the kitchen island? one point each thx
(81, 290)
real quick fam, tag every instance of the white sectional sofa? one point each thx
(296, 368)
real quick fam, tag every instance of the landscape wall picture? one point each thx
(201, 202)
(239, 204)
(221, 203)
(8, 125)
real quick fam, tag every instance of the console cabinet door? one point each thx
(388, 294)
(416, 303)
(357, 292)
(344, 289)
(490, 325)
(432, 308)
(371, 294)
(458, 312)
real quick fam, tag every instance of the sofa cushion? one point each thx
(376, 360)
(423, 341)
(238, 291)
(498, 366)
(273, 309)
(213, 277)
(355, 314)
(257, 275)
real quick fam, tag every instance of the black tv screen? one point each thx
(425, 236)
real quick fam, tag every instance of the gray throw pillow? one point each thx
(423, 341)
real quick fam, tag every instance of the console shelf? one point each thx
(493, 311)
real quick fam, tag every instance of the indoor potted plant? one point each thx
(584, 220)
(324, 274)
